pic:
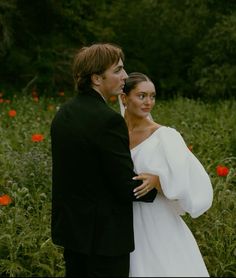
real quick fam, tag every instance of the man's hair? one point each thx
(94, 59)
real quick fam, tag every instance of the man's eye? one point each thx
(118, 70)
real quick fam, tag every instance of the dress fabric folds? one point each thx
(164, 245)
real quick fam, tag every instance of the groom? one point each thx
(92, 170)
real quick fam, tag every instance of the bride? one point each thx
(164, 245)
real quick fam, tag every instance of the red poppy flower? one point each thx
(222, 171)
(36, 99)
(5, 200)
(12, 113)
(190, 147)
(113, 99)
(37, 137)
(1, 100)
(34, 94)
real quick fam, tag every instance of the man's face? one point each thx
(113, 80)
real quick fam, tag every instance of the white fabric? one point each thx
(164, 245)
(122, 108)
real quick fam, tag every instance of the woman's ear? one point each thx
(123, 98)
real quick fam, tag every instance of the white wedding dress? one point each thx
(164, 245)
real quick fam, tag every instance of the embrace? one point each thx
(121, 181)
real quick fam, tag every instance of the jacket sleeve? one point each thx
(115, 159)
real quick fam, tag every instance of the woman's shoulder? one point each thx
(162, 128)
(167, 130)
(168, 134)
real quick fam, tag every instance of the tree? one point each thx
(215, 66)
(7, 12)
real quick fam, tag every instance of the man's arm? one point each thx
(113, 145)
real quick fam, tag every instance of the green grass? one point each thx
(26, 248)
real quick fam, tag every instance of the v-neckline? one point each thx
(146, 138)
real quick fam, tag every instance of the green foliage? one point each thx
(26, 249)
(186, 47)
(215, 65)
(167, 44)
(233, 141)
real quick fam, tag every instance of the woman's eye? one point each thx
(141, 97)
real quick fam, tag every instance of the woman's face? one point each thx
(140, 101)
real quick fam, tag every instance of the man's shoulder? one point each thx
(87, 109)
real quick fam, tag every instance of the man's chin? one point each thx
(120, 91)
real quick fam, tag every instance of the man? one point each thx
(92, 191)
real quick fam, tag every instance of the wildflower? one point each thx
(190, 147)
(222, 171)
(5, 200)
(34, 94)
(12, 113)
(61, 94)
(37, 137)
(36, 99)
(1, 100)
(113, 99)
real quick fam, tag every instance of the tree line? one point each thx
(187, 47)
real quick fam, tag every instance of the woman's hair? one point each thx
(94, 59)
(133, 80)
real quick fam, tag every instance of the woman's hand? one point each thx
(149, 182)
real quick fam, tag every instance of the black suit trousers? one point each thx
(83, 265)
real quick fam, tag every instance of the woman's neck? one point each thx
(136, 124)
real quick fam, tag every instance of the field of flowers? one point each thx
(26, 248)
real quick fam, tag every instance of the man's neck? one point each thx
(95, 89)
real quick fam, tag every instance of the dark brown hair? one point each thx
(94, 59)
(133, 80)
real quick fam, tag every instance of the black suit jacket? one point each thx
(92, 186)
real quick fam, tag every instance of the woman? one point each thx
(164, 245)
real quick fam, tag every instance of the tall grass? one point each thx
(26, 248)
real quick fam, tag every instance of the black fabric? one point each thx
(92, 186)
(83, 265)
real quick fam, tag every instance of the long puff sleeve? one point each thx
(182, 177)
